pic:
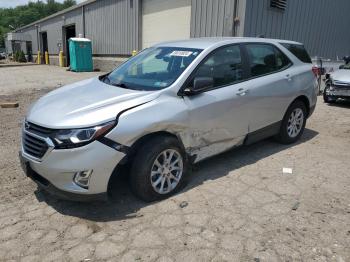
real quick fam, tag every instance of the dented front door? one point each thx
(218, 120)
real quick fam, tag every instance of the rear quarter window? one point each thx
(299, 51)
(265, 59)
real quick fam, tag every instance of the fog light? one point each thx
(82, 178)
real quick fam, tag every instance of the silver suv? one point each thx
(168, 107)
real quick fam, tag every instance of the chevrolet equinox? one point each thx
(164, 109)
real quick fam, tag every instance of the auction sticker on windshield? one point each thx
(181, 53)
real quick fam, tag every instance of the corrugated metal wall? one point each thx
(32, 32)
(53, 27)
(322, 25)
(213, 17)
(8, 46)
(113, 26)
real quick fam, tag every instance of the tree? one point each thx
(11, 18)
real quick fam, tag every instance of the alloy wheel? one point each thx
(166, 171)
(295, 122)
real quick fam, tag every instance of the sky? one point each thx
(13, 3)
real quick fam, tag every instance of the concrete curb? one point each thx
(14, 65)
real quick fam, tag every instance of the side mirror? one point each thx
(200, 84)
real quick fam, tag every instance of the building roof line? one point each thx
(64, 11)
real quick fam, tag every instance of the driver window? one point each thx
(223, 65)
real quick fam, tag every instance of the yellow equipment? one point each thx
(38, 60)
(47, 61)
(61, 59)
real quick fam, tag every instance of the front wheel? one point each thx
(293, 123)
(326, 97)
(159, 169)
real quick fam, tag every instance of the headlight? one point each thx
(70, 138)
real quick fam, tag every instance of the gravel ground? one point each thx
(238, 206)
(35, 77)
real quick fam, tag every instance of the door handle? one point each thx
(242, 92)
(288, 77)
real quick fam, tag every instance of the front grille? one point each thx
(34, 146)
(39, 130)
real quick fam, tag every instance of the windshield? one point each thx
(152, 69)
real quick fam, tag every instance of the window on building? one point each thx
(299, 51)
(224, 66)
(279, 4)
(265, 59)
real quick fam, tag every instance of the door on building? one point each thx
(68, 32)
(165, 20)
(44, 43)
(16, 46)
(29, 51)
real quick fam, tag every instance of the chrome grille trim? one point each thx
(39, 130)
(35, 146)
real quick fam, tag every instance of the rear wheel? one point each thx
(159, 169)
(293, 123)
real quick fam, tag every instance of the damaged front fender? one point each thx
(170, 114)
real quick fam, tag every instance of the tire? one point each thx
(288, 137)
(326, 98)
(145, 170)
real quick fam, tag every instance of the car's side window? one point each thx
(282, 60)
(223, 65)
(265, 59)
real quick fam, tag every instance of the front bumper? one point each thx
(338, 92)
(52, 190)
(55, 172)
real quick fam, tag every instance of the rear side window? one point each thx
(266, 59)
(223, 65)
(299, 51)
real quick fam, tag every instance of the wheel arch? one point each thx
(306, 102)
(122, 168)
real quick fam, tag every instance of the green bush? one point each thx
(22, 57)
(15, 56)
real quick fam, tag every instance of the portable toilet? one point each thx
(80, 53)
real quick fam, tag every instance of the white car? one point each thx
(337, 85)
(164, 109)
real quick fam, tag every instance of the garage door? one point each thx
(165, 20)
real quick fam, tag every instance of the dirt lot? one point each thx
(238, 206)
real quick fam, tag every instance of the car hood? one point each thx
(341, 75)
(85, 103)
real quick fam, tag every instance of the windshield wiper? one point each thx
(105, 79)
(122, 85)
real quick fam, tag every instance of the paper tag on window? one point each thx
(181, 53)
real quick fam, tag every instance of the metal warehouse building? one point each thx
(117, 27)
